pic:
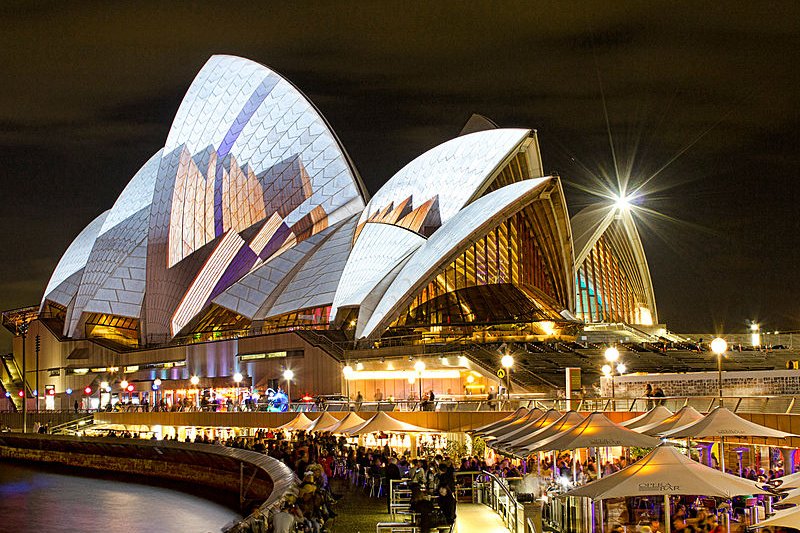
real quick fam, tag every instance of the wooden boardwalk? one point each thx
(478, 518)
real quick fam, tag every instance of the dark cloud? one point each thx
(92, 87)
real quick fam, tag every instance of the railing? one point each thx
(497, 494)
(71, 427)
(763, 404)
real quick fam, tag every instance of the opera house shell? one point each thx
(253, 220)
(252, 216)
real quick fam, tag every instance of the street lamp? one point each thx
(288, 375)
(419, 366)
(194, 380)
(237, 378)
(612, 356)
(507, 361)
(347, 371)
(156, 399)
(22, 330)
(719, 347)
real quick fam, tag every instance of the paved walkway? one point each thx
(478, 518)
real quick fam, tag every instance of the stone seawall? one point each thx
(256, 479)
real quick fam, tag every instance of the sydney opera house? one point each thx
(248, 244)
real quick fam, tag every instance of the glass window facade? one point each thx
(500, 277)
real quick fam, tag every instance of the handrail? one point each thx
(512, 505)
(773, 404)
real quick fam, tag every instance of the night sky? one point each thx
(707, 94)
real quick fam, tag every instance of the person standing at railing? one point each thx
(648, 393)
(359, 401)
(491, 398)
(658, 393)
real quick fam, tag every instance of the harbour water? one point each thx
(34, 498)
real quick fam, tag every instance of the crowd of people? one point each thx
(317, 459)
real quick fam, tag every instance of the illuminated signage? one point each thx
(265, 355)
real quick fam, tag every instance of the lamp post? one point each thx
(194, 380)
(719, 347)
(36, 392)
(507, 361)
(156, 399)
(347, 371)
(288, 375)
(612, 356)
(22, 328)
(237, 378)
(419, 366)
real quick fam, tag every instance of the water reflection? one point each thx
(37, 499)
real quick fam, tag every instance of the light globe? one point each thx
(419, 366)
(719, 346)
(288, 375)
(612, 354)
(621, 368)
(347, 370)
(194, 380)
(507, 361)
(606, 370)
(238, 377)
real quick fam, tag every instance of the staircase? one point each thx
(319, 340)
(11, 378)
(73, 426)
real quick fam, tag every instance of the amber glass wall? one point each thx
(604, 292)
(501, 277)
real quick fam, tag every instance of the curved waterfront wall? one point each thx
(257, 479)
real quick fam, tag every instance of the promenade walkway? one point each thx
(478, 518)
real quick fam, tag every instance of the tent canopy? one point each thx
(521, 426)
(348, 422)
(596, 431)
(657, 414)
(685, 415)
(567, 420)
(793, 497)
(722, 422)
(300, 422)
(790, 481)
(786, 518)
(546, 419)
(513, 439)
(323, 423)
(383, 423)
(666, 471)
(519, 413)
(514, 425)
